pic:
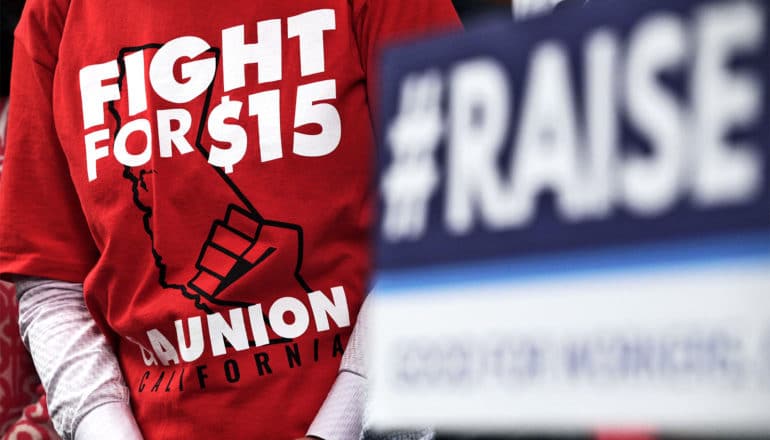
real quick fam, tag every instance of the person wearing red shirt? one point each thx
(198, 176)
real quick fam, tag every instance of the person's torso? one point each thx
(221, 152)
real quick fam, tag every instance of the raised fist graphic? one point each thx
(238, 245)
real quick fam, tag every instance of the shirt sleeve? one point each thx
(43, 231)
(379, 23)
(341, 416)
(77, 367)
(112, 420)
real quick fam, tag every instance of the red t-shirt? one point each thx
(205, 169)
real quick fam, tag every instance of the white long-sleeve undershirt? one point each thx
(73, 359)
(348, 394)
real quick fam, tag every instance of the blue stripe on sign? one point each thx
(749, 249)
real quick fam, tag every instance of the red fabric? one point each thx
(19, 385)
(162, 242)
(17, 378)
(34, 423)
